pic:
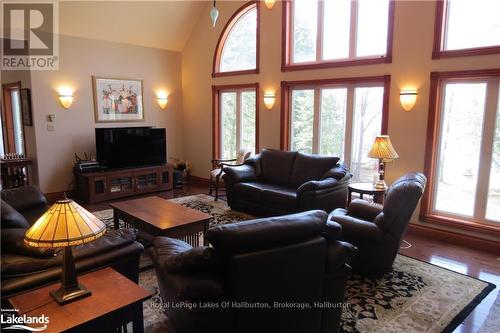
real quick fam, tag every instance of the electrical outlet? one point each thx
(51, 128)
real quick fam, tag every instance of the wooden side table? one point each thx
(365, 188)
(115, 301)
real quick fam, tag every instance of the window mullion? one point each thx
(238, 121)
(353, 29)
(317, 101)
(319, 33)
(348, 126)
(485, 157)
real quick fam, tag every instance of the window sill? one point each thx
(465, 52)
(334, 64)
(458, 223)
(233, 73)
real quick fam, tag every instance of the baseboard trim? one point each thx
(194, 180)
(455, 238)
(54, 196)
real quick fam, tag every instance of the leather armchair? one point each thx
(377, 230)
(293, 258)
(279, 182)
(24, 267)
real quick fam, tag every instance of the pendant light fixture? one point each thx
(214, 14)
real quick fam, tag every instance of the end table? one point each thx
(365, 188)
(115, 301)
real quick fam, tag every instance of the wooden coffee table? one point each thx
(160, 217)
(102, 311)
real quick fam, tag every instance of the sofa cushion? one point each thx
(276, 166)
(13, 243)
(280, 196)
(311, 167)
(11, 217)
(24, 198)
(250, 191)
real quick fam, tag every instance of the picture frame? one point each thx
(117, 100)
(25, 95)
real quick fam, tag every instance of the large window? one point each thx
(466, 28)
(235, 120)
(339, 117)
(463, 162)
(237, 51)
(328, 33)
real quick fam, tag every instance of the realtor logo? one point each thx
(30, 39)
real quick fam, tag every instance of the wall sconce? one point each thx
(269, 3)
(269, 98)
(162, 99)
(65, 97)
(408, 99)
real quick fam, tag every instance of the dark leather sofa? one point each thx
(377, 231)
(277, 182)
(24, 267)
(291, 259)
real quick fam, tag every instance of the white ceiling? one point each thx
(158, 24)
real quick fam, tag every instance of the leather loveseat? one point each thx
(233, 286)
(277, 182)
(24, 267)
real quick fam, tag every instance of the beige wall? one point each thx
(74, 128)
(412, 64)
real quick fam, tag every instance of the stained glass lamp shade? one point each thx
(382, 150)
(65, 224)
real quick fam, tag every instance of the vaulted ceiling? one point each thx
(158, 24)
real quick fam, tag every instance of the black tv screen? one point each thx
(126, 147)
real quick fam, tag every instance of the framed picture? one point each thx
(26, 107)
(117, 100)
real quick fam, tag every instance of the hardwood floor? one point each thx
(478, 264)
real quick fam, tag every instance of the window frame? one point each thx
(8, 136)
(287, 43)
(217, 90)
(288, 86)
(440, 26)
(226, 31)
(434, 122)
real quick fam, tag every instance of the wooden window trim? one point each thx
(223, 37)
(439, 33)
(286, 43)
(216, 91)
(286, 86)
(7, 118)
(431, 152)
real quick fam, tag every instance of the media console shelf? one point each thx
(112, 184)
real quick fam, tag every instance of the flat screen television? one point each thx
(126, 147)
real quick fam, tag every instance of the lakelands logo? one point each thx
(30, 39)
(23, 322)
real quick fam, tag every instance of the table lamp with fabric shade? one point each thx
(382, 150)
(65, 224)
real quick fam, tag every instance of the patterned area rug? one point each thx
(415, 297)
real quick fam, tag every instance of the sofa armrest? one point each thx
(339, 254)
(317, 185)
(240, 173)
(364, 210)
(354, 228)
(332, 230)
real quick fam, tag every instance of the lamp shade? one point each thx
(382, 149)
(66, 223)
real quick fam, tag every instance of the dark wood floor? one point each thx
(472, 262)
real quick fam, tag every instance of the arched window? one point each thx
(237, 50)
